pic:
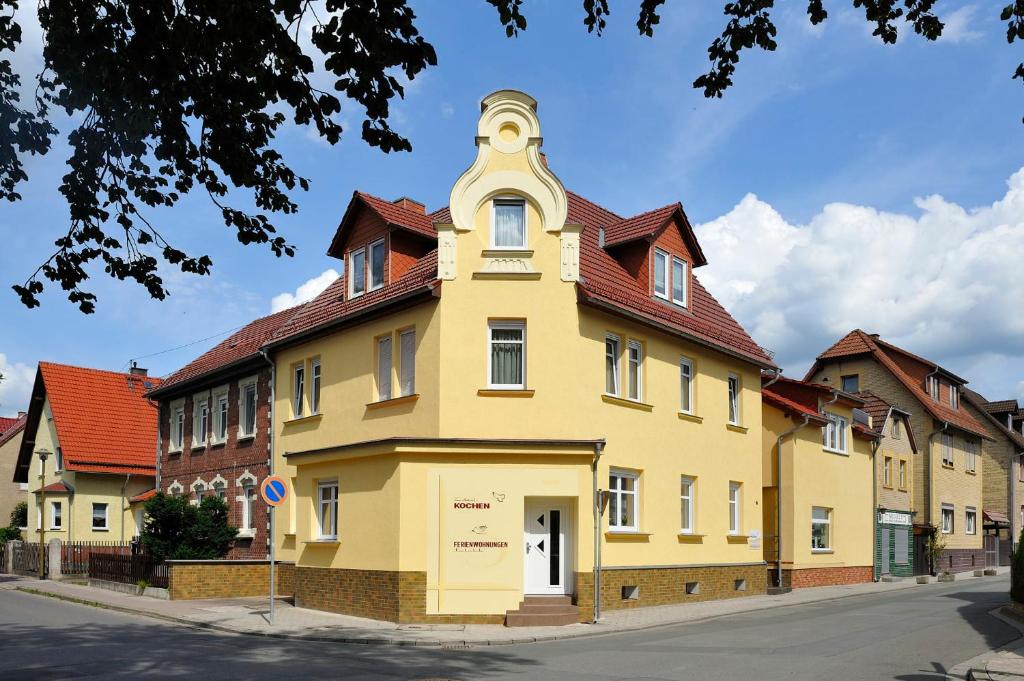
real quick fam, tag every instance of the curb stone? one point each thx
(975, 668)
(437, 643)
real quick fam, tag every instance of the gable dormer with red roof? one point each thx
(380, 241)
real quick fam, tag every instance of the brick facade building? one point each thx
(215, 431)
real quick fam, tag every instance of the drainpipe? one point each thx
(124, 502)
(598, 450)
(875, 445)
(775, 377)
(778, 497)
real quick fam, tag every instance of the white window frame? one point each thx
(298, 390)
(635, 370)
(970, 520)
(176, 442)
(508, 200)
(947, 450)
(314, 385)
(200, 420)
(664, 258)
(491, 327)
(686, 385)
(56, 514)
(934, 387)
(687, 501)
(407, 362)
(842, 384)
(333, 504)
(352, 291)
(834, 436)
(385, 383)
(371, 286)
(249, 500)
(220, 417)
(902, 474)
(612, 356)
(106, 517)
(616, 489)
(954, 396)
(243, 386)
(971, 456)
(58, 456)
(828, 522)
(734, 388)
(685, 279)
(735, 507)
(947, 511)
(895, 431)
(887, 471)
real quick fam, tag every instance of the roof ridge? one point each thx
(673, 206)
(595, 204)
(98, 371)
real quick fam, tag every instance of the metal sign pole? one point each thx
(271, 566)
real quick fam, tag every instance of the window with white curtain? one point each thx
(509, 229)
(314, 392)
(248, 507)
(971, 520)
(623, 501)
(679, 281)
(357, 273)
(376, 264)
(947, 519)
(407, 348)
(686, 505)
(384, 368)
(611, 364)
(661, 274)
(686, 385)
(507, 355)
(636, 378)
(327, 510)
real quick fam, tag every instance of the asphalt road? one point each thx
(907, 635)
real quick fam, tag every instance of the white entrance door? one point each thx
(546, 544)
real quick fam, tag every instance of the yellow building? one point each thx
(449, 411)
(100, 434)
(819, 444)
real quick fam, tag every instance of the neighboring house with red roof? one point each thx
(442, 409)
(215, 428)
(100, 431)
(947, 476)
(818, 450)
(11, 493)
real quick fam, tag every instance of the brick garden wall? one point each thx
(800, 579)
(191, 580)
(961, 560)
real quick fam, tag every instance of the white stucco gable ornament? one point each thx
(509, 126)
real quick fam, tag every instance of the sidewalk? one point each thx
(1005, 664)
(249, 615)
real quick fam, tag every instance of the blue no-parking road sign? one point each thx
(273, 490)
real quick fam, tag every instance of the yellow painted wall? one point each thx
(961, 489)
(895, 497)
(113, 490)
(813, 476)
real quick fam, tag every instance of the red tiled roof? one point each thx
(144, 496)
(604, 280)
(995, 516)
(11, 427)
(398, 216)
(441, 216)
(239, 346)
(59, 487)
(649, 224)
(103, 418)
(331, 306)
(876, 408)
(979, 403)
(789, 406)
(881, 351)
(998, 407)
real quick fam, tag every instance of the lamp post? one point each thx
(43, 454)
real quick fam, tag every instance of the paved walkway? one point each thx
(1006, 664)
(250, 615)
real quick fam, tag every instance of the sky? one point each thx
(839, 184)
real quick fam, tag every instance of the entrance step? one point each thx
(543, 611)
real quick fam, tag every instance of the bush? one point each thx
(19, 516)
(177, 530)
(1017, 572)
(9, 534)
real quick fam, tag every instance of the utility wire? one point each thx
(181, 347)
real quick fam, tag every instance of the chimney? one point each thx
(874, 335)
(136, 370)
(600, 237)
(21, 413)
(409, 204)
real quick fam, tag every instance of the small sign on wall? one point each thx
(754, 540)
(894, 518)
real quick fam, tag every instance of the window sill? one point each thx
(174, 452)
(246, 534)
(902, 489)
(971, 472)
(219, 443)
(623, 402)
(737, 538)
(822, 551)
(197, 448)
(691, 537)
(521, 276)
(504, 392)
(322, 542)
(243, 438)
(736, 428)
(393, 402)
(887, 487)
(101, 529)
(627, 535)
(686, 416)
(304, 419)
(835, 451)
(506, 253)
(947, 466)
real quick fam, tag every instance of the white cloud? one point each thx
(447, 110)
(16, 386)
(945, 282)
(307, 291)
(957, 26)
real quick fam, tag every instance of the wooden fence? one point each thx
(128, 569)
(74, 556)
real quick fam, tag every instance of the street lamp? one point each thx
(43, 454)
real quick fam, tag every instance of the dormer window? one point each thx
(357, 273)
(664, 284)
(954, 397)
(376, 264)
(933, 387)
(509, 224)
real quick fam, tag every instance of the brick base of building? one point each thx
(807, 577)
(192, 580)
(960, 560)
(643, 587)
